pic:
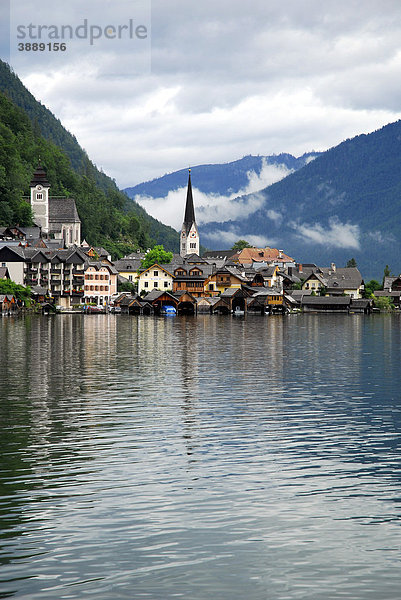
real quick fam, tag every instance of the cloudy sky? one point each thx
(214, 80)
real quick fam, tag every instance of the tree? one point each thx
(351, 263)
(126, 286)
(386, 273)
(240, 245)
(384, 304)
(156, 255)
(371, 287)
(21, 293)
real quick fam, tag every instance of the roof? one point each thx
(63, 210)
(326, 300)
(128, 264)
(166, 268)
(101, 265)
(194, 259)
(220, 254)
(39, 177)
(155, 294)
(189, 217)
(247, 255)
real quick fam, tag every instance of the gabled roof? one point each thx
(155, 294)
(63, 210)
(194, 259)
(318, 276)
(343, 278)
(166, 268)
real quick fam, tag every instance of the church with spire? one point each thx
(189, 241)
(56, 216)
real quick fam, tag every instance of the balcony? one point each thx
(76, 271)
(54, 271)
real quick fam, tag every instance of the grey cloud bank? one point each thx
(227, 79)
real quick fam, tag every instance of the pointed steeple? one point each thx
(39, 177)
(189, 243)
(189, 216)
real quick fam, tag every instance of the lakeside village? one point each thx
(63, 274)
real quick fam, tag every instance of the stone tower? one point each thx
(40, 199)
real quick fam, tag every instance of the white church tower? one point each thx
(189, 243)
(40, 199)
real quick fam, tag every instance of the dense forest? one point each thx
(29, 132)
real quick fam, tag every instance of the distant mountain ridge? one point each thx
(220, 178)
(346, 203)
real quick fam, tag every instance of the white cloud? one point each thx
(381, 238)
(337, 234)
(227, 237)
(213, 207)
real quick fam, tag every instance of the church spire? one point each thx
(189, 217)
(189, 232)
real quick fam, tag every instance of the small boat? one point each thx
(168, 310)
(93, 310)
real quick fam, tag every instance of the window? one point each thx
(146, 284)
(166, 284)
(39, 196)
(129, 277)
(192, 245)
(156, 273)
(211, 287)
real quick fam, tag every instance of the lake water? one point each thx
(200, 458)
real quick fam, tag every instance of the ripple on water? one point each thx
(200, 458)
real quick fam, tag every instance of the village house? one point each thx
(156, 277)
(333, 281)
(129, 266)
(100, 283)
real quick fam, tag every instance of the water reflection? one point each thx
(200, 457)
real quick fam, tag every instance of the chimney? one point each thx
(280, 254)
(333, 267)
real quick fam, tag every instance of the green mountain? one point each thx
(28, 130)
(345, 203)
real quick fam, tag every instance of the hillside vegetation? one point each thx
(29, 131)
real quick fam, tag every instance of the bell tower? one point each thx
(189, 241)
(40, 199)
